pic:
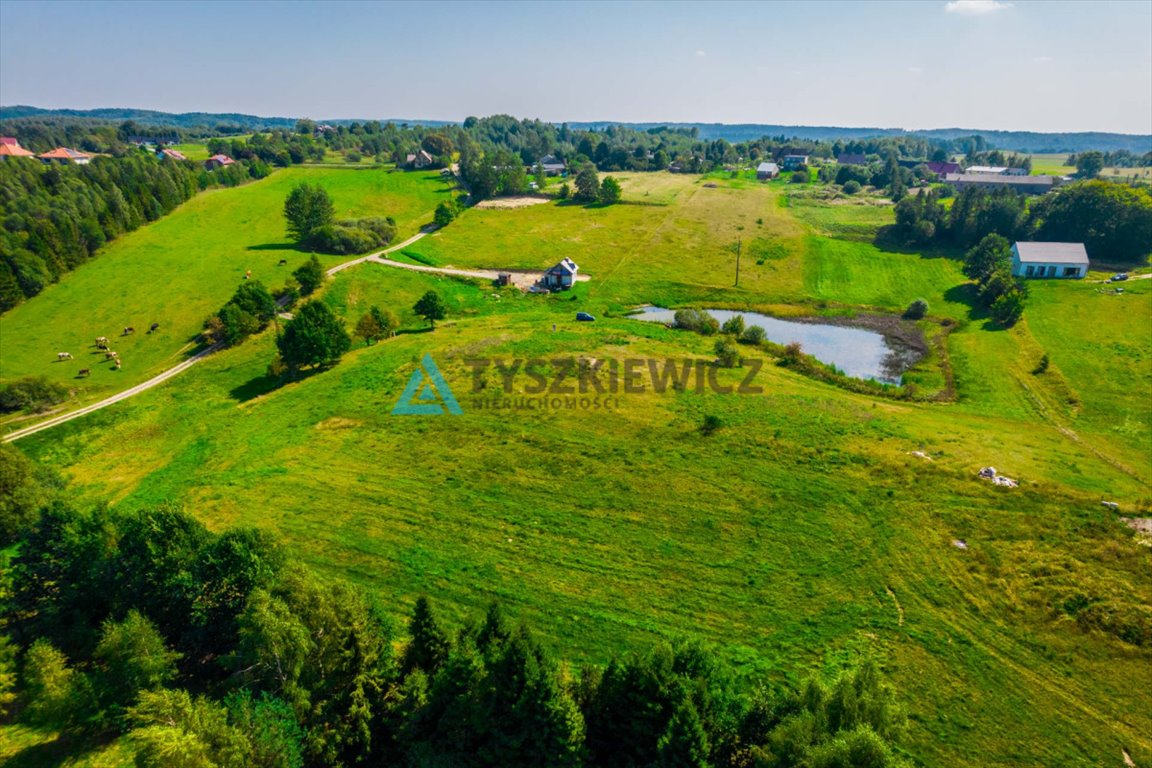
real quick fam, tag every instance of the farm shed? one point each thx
(1031, 185)
(1049, 260)
(767, 171)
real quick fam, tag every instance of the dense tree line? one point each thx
(56, 217)
(215, 649)
(1114, 221)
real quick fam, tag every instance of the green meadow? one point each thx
(800, 535)
(182, 268)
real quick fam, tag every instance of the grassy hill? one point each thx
(182, 268)
(801, 533)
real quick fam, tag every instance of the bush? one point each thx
(1042, 365)
(727, 354)
(711, 424)
(353, 236)
(733, 325)
(916, 309)
(445, 213)
(32, 393)
(793, 354)
(753, 335)
(352, 156)
(801, 175)
(696, 320)
(851, 187)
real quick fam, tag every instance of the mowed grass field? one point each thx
(800, 535)
(178, 270)
(1056, 164)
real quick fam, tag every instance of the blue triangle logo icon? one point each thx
(427, 393)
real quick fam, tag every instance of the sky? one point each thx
(1047, 66)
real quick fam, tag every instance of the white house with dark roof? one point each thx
(562, 276)
(1049, 260)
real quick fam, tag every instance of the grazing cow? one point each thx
(129, 330)
(101, 342)
(117, 364)
(84, 372)
(110, 355)
(283, 263)
(154, 327)
(63, 356)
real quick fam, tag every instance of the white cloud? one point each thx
(1041, 59)
(975, 7)
(701, 54)
(916, 70)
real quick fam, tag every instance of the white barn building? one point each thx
(1049, 260)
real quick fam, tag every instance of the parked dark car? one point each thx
(1119, 276)
(585, 317)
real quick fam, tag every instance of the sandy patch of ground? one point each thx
(512, 202)
(1143, 528)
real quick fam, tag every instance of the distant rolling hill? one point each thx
(1019, 141)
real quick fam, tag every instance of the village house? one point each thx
(792, 162)
(218, 161)
(65, 155)
(560, 277)
(171, 154)
(943, 169)
(419, 159)
(766, 171)
(1065, 260)
(1029, 185)
(551, 165)
(10, 147)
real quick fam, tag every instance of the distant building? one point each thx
(65, 155)
(218, 161)
(852, 159)
(1029, 185)
(9, 147)
(943, 169)
(171, 154)
(148, 141)
(998, 170)
(561, 277)
(551, 165)
(419, 159)
(792, 162)
(1065, 260)
(766, 171)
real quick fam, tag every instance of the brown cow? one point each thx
(84, 372)
(129, 330)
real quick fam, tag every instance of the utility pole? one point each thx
(738, 249)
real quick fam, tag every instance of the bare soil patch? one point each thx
(512, 202)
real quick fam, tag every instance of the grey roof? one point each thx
(768, 167)
(1053, 253)
(995, 178)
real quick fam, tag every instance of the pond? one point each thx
(857, 352)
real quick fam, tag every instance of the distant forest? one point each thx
(205, 123)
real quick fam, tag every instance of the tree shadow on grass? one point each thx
(968, 294)
(63, 749)
(262, 385)
(274, 247)
(889, 240)
(405, 331)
